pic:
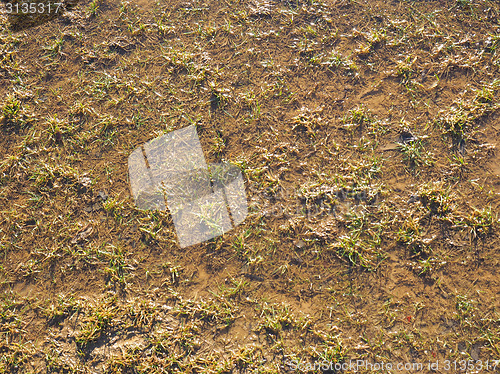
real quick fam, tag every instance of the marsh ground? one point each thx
(368, 135)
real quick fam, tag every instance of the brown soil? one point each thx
(368, 135)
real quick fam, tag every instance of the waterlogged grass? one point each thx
(367, 135)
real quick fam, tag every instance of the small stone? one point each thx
(299, 243)
(103, 195)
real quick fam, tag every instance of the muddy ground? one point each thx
(367, 133)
